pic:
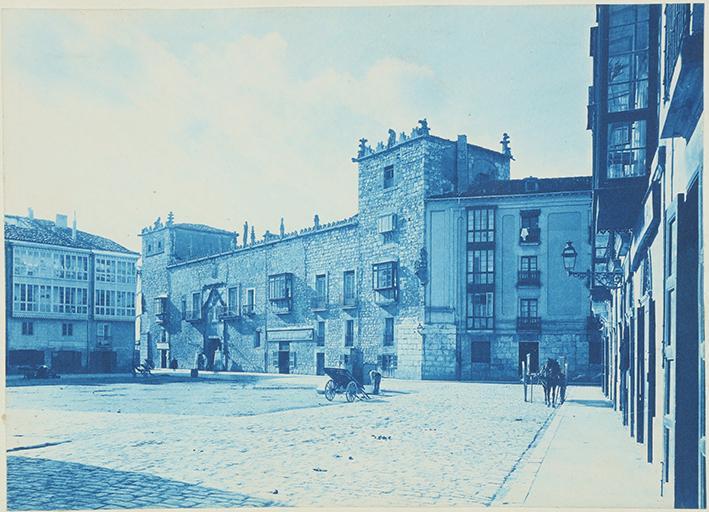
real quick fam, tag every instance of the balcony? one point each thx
(193, 315)
(248, 310)
(160, 317)
(230, 311)
(529, 323)
(318, 304)
(348, 301)
(104, 341)
(530, 236)
(528, 278)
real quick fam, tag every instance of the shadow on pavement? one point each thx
(591, 403)
(44, 484)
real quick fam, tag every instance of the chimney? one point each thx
(316, 221)
(283, 228)
(461, 160)
(246, 233)
(73, 227)
(30, 213)
(253, 235)
(61, 221)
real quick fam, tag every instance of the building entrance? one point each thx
(531, 348)
(283, 361)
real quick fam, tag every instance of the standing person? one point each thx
(376, 377)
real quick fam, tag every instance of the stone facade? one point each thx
(219, 303)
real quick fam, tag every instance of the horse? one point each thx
(550, 377)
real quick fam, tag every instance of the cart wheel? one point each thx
(351, 391)
(330, 390)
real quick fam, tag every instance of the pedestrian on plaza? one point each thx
(376, 377)
(173, 363)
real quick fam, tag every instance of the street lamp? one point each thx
(610, 280)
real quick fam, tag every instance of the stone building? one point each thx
(647, 117)
(348, 293)
(70, 298)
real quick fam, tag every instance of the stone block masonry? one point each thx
(283, 303)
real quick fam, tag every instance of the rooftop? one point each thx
(41, 231)
(529, 185)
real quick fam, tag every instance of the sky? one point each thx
(233, 115)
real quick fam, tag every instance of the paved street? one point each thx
(263, 441)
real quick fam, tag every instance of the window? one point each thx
(388, 176)
(388, 332)
(160, 305)
(481, 266)
(196, 304)
(280, 286)
(183, 306)
(528, 272)
(628, 40)
(120, 303)
(386, 223)
(529, 233)
(27, 328)
(71, 300)
(349, 333)
(320, 334)
(481, 225)
(480, 311)
(26, 297)
(233, 300)
(348, 287)
(528, 263)
(528, 308)
(321, 287)
(671, 244)
(250, 300)
(626, 149)
(387, 362)
(36, 262)
(103, 331)
(257, 339)
(384, 275)
(480, 352)
(67, 329)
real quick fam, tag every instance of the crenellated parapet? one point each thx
(393, 140)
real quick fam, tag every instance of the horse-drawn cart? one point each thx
(341, 381)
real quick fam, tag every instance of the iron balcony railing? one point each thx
(528, 277)
(228, 311)
(248, 309)
(529, 323)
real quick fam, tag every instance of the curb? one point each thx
(514, 490)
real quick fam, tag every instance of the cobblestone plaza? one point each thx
(263, 440)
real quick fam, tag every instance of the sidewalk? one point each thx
(584, 459)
